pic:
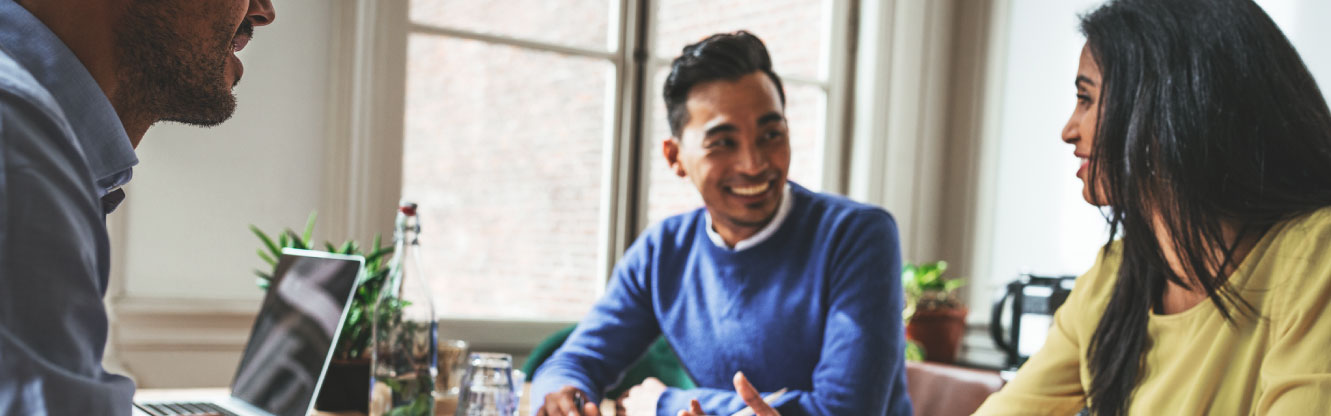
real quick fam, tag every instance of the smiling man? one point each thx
(80, 83)
(798, 290)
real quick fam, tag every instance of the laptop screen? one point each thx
(295, 330)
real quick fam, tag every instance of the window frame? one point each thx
(364, 156)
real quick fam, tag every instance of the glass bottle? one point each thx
(403, 367)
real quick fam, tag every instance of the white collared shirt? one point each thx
(782, 210)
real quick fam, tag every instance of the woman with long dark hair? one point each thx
(1209, 143)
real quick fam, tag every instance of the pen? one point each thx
(579, 401)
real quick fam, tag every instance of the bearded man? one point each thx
(81, 81)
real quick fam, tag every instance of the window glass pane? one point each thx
(795, 31)
(582, 23)
(667, 194)
(503, 151)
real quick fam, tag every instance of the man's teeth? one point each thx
(750, 190)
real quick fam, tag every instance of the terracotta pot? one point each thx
(346, 387)
(939, 331)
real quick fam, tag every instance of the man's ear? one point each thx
(670, 149)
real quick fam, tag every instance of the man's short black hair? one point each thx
(723, 56)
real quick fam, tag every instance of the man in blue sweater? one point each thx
(796, 289)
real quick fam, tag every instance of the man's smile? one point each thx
(753, 190)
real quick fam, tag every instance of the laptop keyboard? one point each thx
(183, 408)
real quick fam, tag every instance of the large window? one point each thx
(504, 147)
(515, 135)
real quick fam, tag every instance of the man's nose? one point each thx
(752, 161)
(261, 12)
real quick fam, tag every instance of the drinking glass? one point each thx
(488, 388)
(452, 366)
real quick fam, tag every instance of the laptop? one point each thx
(290, 345)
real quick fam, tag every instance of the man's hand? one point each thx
(695, 409)
(746, 392)
(641, 399)
(564, 403)
(751, 396)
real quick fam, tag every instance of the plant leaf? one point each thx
(266, 257)
(914, 352)
(263, 280)
(377, 254)
(268, 242)
(929, 277)
(309, 230)
(295, 240)
(953, 284)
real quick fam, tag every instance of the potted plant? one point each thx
(935, 316)
(347, 384)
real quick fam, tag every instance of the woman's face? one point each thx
(1080, 130)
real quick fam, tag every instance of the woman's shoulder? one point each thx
(1301, 241)
(1305, 225)
(1099, 280)
(1296, 253)
(1292, 276)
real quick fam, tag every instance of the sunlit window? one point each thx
(511, 108)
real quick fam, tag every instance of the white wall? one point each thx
(1305, 24)
(1039, 222)
(196, 190)
(182, 251)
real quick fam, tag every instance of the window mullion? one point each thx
(837, 87)
(627, 197)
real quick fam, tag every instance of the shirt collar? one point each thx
(782, 211)
(94, 121)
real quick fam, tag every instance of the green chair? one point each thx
(660, 362)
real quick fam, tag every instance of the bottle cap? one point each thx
(407, 208)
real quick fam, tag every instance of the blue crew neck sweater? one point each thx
(815, 309)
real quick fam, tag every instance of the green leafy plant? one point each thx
(926, 288)
(914, 351)
(354, 342)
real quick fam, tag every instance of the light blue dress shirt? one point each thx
(63, 156)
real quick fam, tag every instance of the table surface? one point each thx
(607, 407)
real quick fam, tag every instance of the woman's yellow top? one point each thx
(1274, 362)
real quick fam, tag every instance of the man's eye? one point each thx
(721, 143)
(774, 135)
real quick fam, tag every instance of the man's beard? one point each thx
(165, 77)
